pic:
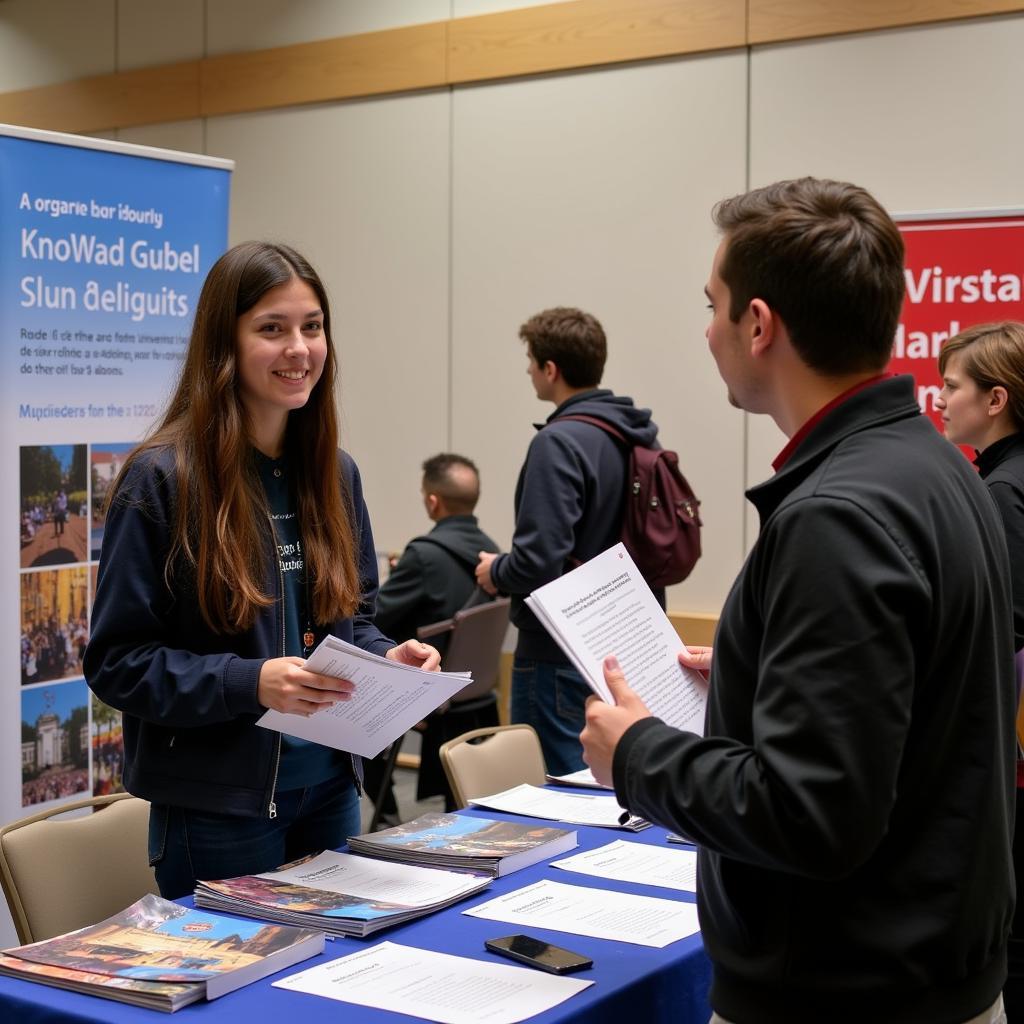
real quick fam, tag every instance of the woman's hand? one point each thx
(286, 686)
(417, 654)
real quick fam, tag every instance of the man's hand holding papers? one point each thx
(607, 722)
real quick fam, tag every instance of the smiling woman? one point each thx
(236, 538)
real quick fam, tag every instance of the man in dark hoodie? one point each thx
(569, 503)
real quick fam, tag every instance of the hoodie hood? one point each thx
(619, 411)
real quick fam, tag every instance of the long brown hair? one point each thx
(221, 530)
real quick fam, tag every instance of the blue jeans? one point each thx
(186, 845)
(551, 696)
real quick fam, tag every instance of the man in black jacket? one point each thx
(569, 504)
(852, 795)
(434, 577)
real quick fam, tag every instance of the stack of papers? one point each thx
(340, 894)
(161, 955)
(459, 841)
(572, 808)
(389, 699)
(583, 779)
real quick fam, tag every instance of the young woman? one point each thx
(236, 538)
(982, 405)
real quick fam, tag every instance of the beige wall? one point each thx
(441, 219)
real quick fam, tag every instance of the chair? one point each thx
(475, 638)
(62, 875)
(485, 761)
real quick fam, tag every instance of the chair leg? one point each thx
(385, 784)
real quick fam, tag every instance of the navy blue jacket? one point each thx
(569, 502)
(853, 793)
(188, 695)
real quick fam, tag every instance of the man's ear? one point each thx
(764, 324)
(431, 502)
(998, 398)
(551, 371)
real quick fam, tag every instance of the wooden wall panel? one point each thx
(774, 21)
(527, 41)
(370, 64)
(147, 96)
(588, 32)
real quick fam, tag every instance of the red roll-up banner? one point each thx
(962, 268)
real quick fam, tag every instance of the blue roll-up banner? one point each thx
(103, 251)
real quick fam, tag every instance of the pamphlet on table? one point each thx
(627, 861)
(601, 913)
(459, 841)
(583, 779)
(605, 607)
(435, 986)
(340, 893)
(389, 699)
(572, 808)
(158, 946)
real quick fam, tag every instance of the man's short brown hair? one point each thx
(827, 258)
(571, 339)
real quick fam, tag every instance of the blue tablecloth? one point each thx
(630, 982)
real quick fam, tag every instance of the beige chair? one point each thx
(485, 761)
(62, 875)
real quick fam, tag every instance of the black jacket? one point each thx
(188, 695)
(433, 579)
(1002, 468)
(852, 795)
(569, 501)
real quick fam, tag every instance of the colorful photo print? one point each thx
(107, 749)
(54, 742)
(54, 504)
(105, 462)
(54, 623)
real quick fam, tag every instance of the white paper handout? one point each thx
(389, 699)
(583, 779)
(620, 916)
(605, 607)
(377, 879)
(636, 862)
(435, 986)
(572, 808)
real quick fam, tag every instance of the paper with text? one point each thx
(572, 808)
(601, 913)
(583, 779)
(627, 861)
(408, 884)
(605, 607)
(389, 699)
(435, 986)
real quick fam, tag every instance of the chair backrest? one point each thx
(62, 875)
(475, 646)
(485, 761)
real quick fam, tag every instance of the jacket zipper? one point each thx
(272, 807)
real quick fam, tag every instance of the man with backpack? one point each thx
(569, 506)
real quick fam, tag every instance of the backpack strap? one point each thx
(594, 422)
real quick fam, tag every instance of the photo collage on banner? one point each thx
(103, 251)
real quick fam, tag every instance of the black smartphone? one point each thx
(538, 953)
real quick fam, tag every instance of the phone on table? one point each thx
(537, 953)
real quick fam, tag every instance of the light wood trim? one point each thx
(552, 37)
(774, 21)
(373, 63)
(696, 628)
(146, 96)
(588, 32)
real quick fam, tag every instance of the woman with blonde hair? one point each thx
(982, 406)
(236, 538)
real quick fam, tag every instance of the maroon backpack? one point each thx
(660, 524)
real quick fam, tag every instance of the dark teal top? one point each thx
(302, 763)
